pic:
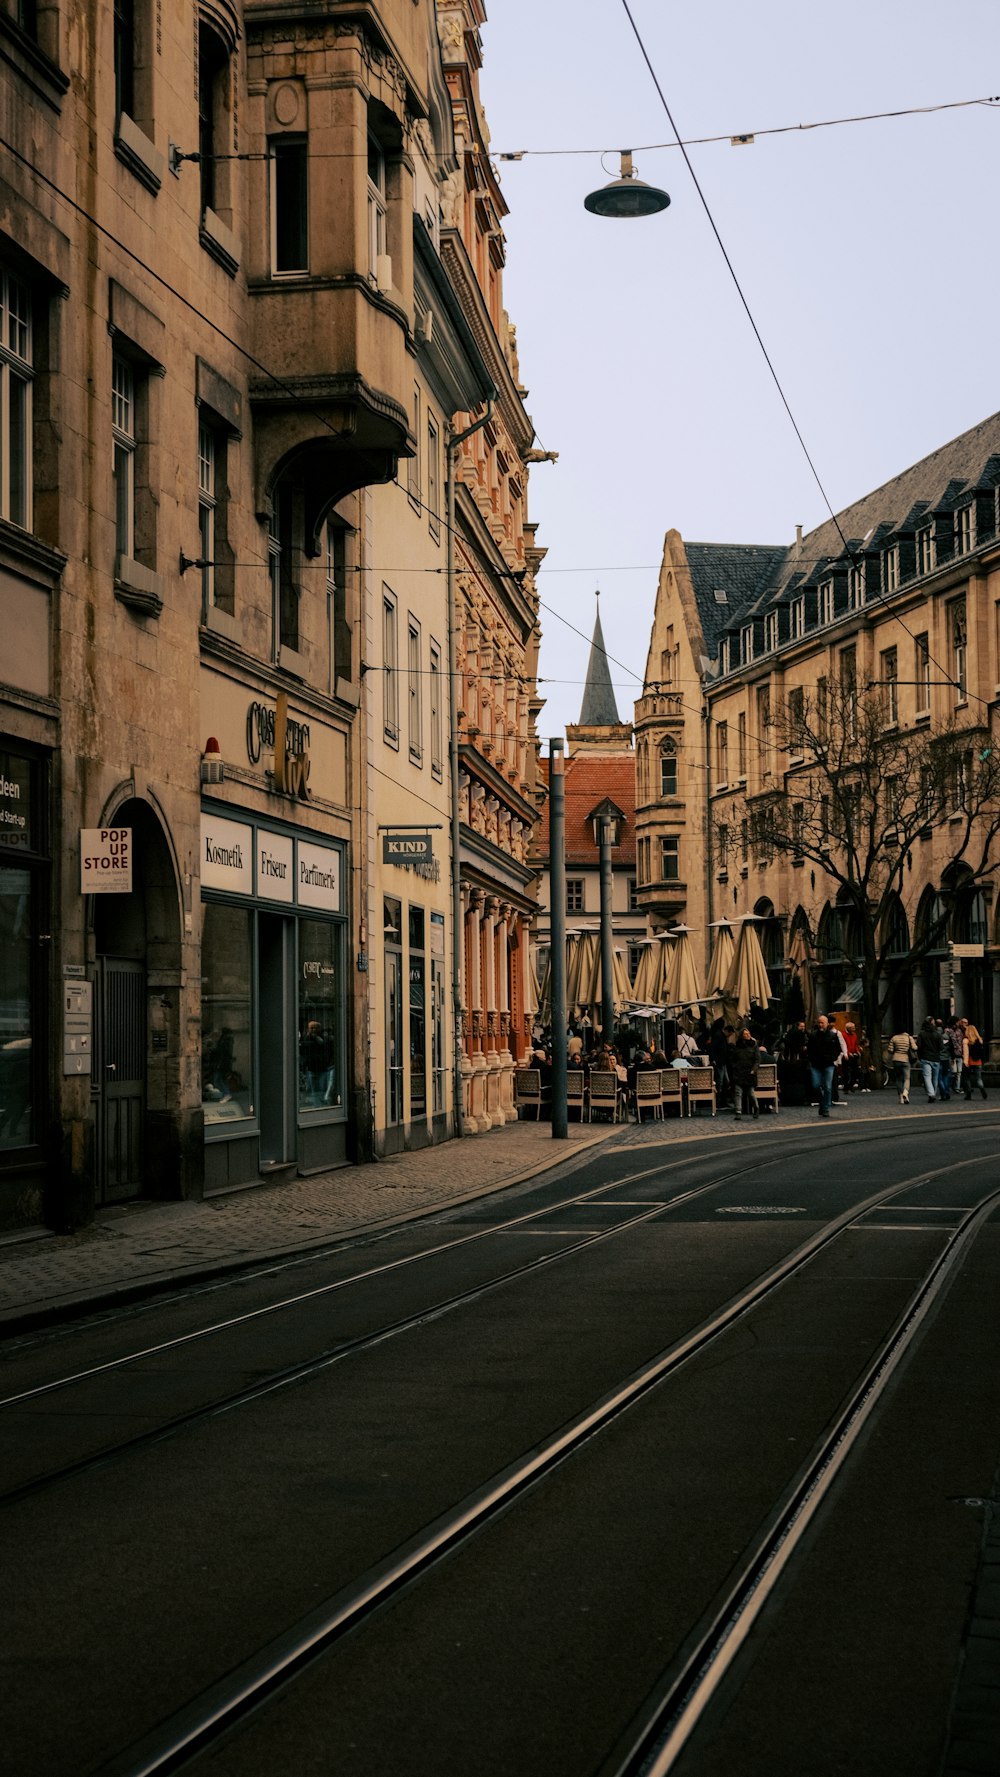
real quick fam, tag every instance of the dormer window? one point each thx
(826, 601)
(925, 550)
(725, 654)
(857, 588)
(771, 631)
(746, 643)
(721, 596)
(797, 618)
(890, 569)
(964, 530)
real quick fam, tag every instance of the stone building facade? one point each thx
(900, 592)
(217, 243)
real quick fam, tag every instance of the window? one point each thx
(890, 569)
(925, 550)
(826, 602)
(857, 589)
(341, 640)
(206, 514)
(15, 401)
(574, 894)
(822, 708)
(633, 899)
(726, 654)
(744, 842)
(418, 1013)
(227, 1070)
(124, 55)
(722, 752)
(922, 673)
(797, 618)
(959, 649)
(964, 530)
(289, 204)
(376, 207)
(213, 109)
(741, 744)
(123, 437)
(963, 780)
(670, 863)
(796, 721)
(722, 846)
(848, 691)
(889, 675)
(746, 643)
(322, 1053)
(771, 631)
(413, 463)
(414, 702)
(390, 665)
(763, 724)
(284, 591)
(798, 825)
(892, 801)
(433, 480)
(437, 749)
(668, 773)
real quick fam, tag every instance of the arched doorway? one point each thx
(972, 975)
(135, 1075)
(896, 943)
(931, 996)
(772, 943)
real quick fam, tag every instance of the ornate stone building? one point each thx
(221, 271)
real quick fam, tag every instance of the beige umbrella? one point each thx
(621, 990)
(747, 979)
(532, 990)
(642, 987)
(800, 960)
(722, 958)
(623, 986)
(683, 987)
(579, 971)
(659, 994)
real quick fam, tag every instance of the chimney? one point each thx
(798, 538)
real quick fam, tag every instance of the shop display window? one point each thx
(16, 1111)
(226, 1046)
(321, 1015)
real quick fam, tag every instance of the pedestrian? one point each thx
(718, 1049)
(974, 1052)
(852, 1065)
(956, 1048)
(929, 1056)
(944, 1061)
(743, 1065)
(841, 1062)
(823, 1051)
(901, 1056)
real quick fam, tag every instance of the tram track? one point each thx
(202, 1723)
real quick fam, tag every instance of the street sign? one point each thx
(968, 949)
(407, 848)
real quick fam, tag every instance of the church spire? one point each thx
(599, 709)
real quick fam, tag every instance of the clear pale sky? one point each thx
(867, 253)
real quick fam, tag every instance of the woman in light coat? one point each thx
(901, 1054)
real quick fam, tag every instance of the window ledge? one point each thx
(135, 151)
(291, 661)
(797, 863)
(223, 623)
(922, 719)
(220, 243)
(20, 51)
(22, 551)
(138, 588)
(348, 692)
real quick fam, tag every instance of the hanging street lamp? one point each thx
(626, 195)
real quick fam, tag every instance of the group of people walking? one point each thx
(949, 1055)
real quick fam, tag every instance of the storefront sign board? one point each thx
(105, 860)
(275, 867)
(317, 882)
(226, 855)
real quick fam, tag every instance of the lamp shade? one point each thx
(627, 195)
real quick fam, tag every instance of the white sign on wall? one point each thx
(105, 860)
(275, 867)
(318, 877)
(226, 855)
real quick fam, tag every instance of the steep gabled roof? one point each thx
(599, 709)
(740, 570)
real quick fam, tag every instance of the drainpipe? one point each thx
(457, 926)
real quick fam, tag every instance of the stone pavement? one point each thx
(137, 1248)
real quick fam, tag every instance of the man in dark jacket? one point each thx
(823, 1053)
(743, 1067)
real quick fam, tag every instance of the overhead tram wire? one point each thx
(847, 550)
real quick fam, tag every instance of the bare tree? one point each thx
(857, 792)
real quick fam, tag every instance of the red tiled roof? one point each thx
(589, 778)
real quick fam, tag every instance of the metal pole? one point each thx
(557, 897)
(607, 952)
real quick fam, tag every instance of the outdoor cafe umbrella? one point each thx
(722, 957)
(642, 987)
(579, 966)
(799, 961)
(621, 990)
(659, 993)
(747, 979)
(532, 991)
(683, 987)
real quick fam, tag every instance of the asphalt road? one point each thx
(188, 1507)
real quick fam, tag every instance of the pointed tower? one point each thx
(600, 728)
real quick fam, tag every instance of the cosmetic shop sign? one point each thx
(105, 860)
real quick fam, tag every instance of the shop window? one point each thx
(439, 1001)
(418, 1014)
(321, 1015)
(16, 375)
(226, 1043)
(17, 1112)
(289, 167)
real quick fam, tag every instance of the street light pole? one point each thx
(607, 953)
(557, 897)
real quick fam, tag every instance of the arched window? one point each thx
(932, 918)
(896, 931)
